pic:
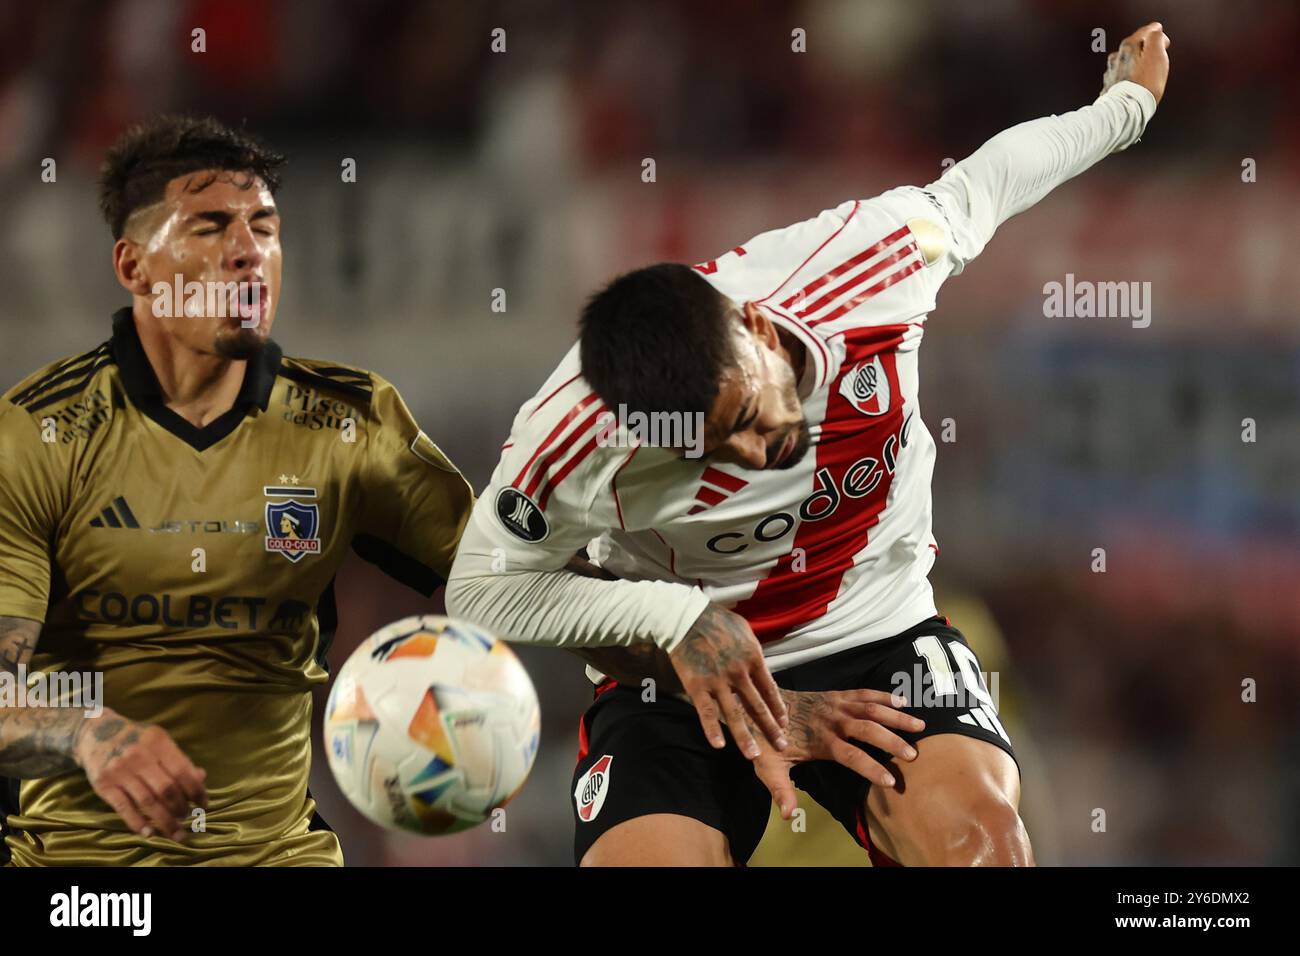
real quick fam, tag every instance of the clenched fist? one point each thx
(1143, 58)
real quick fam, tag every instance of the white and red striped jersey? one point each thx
(829, 554)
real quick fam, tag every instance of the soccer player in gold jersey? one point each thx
(174, 505)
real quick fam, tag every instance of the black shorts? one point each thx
(637, 757)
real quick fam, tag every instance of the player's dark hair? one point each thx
(656, 340)
(147, 156)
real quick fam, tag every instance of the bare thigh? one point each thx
(659, 839)
(957, 804)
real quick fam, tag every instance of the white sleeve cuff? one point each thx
(1145, 99)
(690, 611)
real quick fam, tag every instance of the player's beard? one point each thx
(239, 343)
(803, 436)
(802, 443)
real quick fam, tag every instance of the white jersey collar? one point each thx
(818, 355)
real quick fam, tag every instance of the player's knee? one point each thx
(985, 831)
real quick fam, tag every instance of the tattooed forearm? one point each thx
(34, 741)
(632, 665)
(17, 642)
(38, 741)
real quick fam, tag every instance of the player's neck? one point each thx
(795, 353)
(198, 386)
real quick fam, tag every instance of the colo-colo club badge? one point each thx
(292, 526)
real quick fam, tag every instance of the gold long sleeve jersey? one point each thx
(193, 568)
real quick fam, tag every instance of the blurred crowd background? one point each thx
(521, 170)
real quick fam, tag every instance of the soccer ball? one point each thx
(432, 724)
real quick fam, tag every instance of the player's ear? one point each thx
(759, 325)
(129, 268)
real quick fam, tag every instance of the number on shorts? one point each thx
(939, 662)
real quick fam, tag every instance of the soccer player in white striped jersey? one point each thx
(794, 548)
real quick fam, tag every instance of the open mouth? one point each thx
(249, 302)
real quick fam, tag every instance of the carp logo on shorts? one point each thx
(592, 786)
(867, 387)
(292, 527)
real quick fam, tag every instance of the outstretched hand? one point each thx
(824, 725)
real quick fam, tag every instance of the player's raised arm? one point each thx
(1021, 165)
